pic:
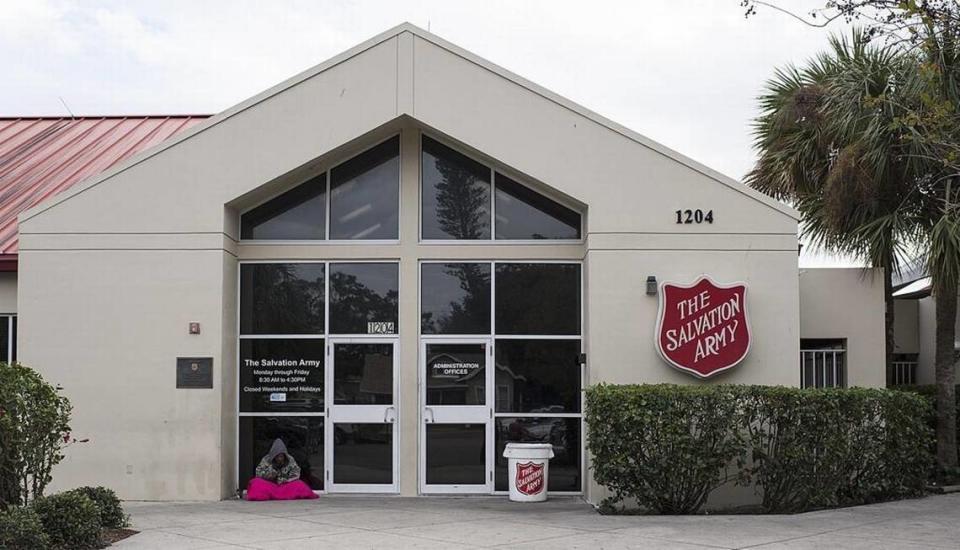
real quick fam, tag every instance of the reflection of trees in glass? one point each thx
(353, 304)
(287, 298)
(471, 313)
(462, 201)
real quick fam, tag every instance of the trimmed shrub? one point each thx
(111, 510)
(21, 529)
(819, 448)
(34, 428)
(70, 519)
(666, 446)
(670, 446)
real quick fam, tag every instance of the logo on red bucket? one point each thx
(702, 328)
(530, 478)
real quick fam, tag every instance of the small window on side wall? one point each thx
(298, 214)
(522, 213)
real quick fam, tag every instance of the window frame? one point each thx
(492, 338)
(494, 167)
(12, 326)
(839, 350)
(329, 167)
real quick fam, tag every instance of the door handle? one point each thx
(386, 415)
(432, 417)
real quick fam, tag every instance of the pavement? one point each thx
(347, 522)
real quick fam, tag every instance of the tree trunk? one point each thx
(946, 313)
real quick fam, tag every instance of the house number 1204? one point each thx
(694, 216)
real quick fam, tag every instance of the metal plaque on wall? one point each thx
(195, 372)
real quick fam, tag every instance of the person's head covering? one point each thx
(277, 448)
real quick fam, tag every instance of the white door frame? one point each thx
(456, 414)
(360, 414)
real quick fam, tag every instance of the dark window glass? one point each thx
(303, 436)
(456, 374)
(538, 376)
(281, 298)
(538, 299)
(13, 352)
(281, 375)
(456, 454)
(363, 453)
(5, 339)
(525, 214)
(455, 194)
(455, 298)
(298, 214)
(363, 298)
(363, 374)
(562, 433)
(365, 194)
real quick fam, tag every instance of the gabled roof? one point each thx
(404, 109)
(43, 156)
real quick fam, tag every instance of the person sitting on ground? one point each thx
(278, 477)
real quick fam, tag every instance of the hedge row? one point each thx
(670, 446)
(69, 520)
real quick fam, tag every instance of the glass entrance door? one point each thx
(361, 428)
(455, 397)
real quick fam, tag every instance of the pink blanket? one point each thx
(261, 489)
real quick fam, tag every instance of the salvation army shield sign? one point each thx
(530, 478)
(702, 328)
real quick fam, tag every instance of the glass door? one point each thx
(455, 398)
(361, 426)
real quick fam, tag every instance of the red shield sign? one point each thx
(530, 478)
(702, 328)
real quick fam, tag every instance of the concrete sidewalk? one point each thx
(344, 522)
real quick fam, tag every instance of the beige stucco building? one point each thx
(396, 261)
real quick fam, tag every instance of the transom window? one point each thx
(457, 202)
(355, 200)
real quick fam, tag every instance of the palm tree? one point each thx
(825, 146)
(859, 140)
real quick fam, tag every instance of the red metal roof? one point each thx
(43, 156)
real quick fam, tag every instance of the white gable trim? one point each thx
(452, 48)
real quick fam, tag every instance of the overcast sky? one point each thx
(683, 72)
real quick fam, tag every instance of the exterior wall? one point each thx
(110, 338)
(927, 336)
(847, 303)
(906, 332)
(8, 292)
(148, 267)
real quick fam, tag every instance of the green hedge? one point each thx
(670, 446)
(21, 529)
(70, 519)
(666, 446)
(111, 510)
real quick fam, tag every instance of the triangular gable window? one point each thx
(361, 201)
(522, 214)
(298, 214)
(456, 202)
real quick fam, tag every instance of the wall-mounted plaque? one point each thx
(195, 372)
